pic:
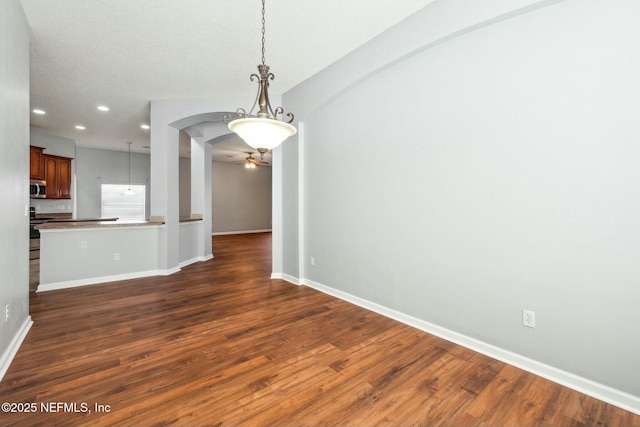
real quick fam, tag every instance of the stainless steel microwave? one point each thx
(38, 189)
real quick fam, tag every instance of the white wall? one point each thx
(191, 235)
(14, 177)
(96, 167)
(64, 262)
(491, 167)
(241, 198)
(54, 145)
(184, 176)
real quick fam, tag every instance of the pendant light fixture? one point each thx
(262, 131)
(129, 191)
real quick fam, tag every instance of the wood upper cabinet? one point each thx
(58, 177)
(36, 162)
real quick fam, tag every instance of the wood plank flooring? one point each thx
(220, 344)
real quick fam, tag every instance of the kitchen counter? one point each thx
(66, 218)
(92, 223)
(93, 250)
(76, 219)
(189, 219)
(54, 215)
(78, 253)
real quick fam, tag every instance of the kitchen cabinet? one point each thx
(58, 177)
(36, 162)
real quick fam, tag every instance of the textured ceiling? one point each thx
(125, 53)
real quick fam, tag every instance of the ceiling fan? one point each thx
(251, 163)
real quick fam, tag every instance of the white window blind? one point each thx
(115, 203)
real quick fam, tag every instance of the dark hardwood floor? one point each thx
(220, 344)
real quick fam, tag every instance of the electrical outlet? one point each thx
(313, 261)
(6, 313)
(529, 318)
(116, 256)
(83, 244)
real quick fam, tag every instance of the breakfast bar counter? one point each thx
(93, 223)
(78, 252)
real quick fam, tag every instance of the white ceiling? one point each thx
(125, 53)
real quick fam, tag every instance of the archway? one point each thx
(203, 121)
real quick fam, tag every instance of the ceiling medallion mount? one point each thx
(262, 131)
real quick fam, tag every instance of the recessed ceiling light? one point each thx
(145, 126)
(103, 108)
(80, 127)
(38, 111)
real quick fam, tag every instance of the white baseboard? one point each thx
(286, 277)
(602, 392)
(167, 272)
(43, 287)
(194, 260)
(10, 352)
(224, 233)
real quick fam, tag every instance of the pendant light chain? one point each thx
(129, 191)
(129, 164)
(264, 130)
(263, 32)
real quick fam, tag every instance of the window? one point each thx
(125, 207)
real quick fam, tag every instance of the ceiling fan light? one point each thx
(262, 133)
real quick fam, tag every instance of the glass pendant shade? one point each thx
(262, 133)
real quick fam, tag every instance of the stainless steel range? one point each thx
(34, 235)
